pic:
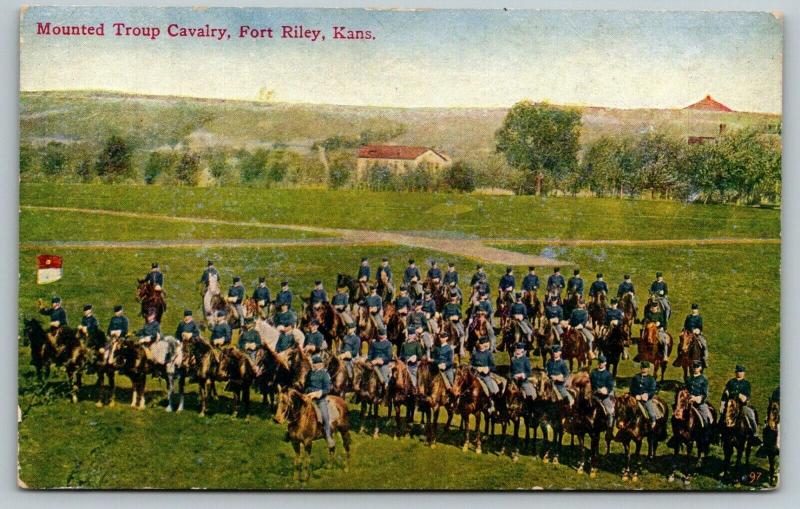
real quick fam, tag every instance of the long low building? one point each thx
(398, 158)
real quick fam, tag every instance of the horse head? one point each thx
(33, 332)
(681, 406)
(774, 415)
(732, 412)
(288, 403)
(625, 410)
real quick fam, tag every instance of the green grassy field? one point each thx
(79, 445)
(434, 213)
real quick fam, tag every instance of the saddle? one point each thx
(446, 380)
(643, 410)
(333, 411)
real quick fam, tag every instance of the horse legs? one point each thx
(181, 390)
(298, 460)
(202, 394)
(246, 399)
(583, 453)
(515, 453)
(478, 432)
(396, 421)
(465, 421)
(363, 415)
(100, 388)
(307, 461)
(346, 444)
(626, 445)
(170, 391)
(638, 459)
(375, 415)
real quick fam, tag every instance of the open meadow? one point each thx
(78, 445)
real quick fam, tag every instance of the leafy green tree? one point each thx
(380, 178)
(218, 165)
(607, 166)
(341, 167)
(253, 165)
(541, 139)
(187, 171)
(461, 177)
(656, 161)
(54, 159)
(158, 164)
(115, 158)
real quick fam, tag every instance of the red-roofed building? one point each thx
(398, 158)
(708, 104)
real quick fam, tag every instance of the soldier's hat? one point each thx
(364, 259)
(644, 364)
(483, 340)
(412, 330)
(220, 313)
(451, 264)
(453, 294)
(444, 334)
(403, 288)
(187, 312)
(284, 283)
(740, 368)
(313, 321)
(452, 283)
(599, 275)
(154, 265)
(236, 279)
(316, 358)
(556, 269)
(695, 305)
(601, 359)
(482, 293)
(481, 311)
(351, 325)
(509, 270)
(284, 303)
(87, 307)
(262, 279)
(427, 293)
(384, 259)
(614, 300)
(626, 276)
(433, 262)
(531, 267)
(210, 263)
(576, 271)
(659, 274)
(151, 311)
(518, 295)
(697, 364)
(479, 266)
(372, 288)
(556, 348)
(317, 282)
(382, 333)
(417, 303)
(249, 320)
(520, 346)
(654, 304)
(55, 300)
(118, 308)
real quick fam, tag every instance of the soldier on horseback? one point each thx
(220, 330)
(261, 295)
(643, 388)
(520, 371)
(402, 304)
(614, 315)
(412, 278)
(484, 306)
(285, 317)
(380, 357)
(210, 271)
(555, 284)
(250, 342)
(155, 277)
(314, 342)
(375, 306)
(603, 388)
(626, 287)
(694, 324)
(286, 339)
(187, 328)
(350, 348)
(236, 297)
(558, 371)
(150, 333)
(575, 283)
(739, 388)
(452, 313)
(443, 356)
(57, 314)
(697, 385)
(530, 283)
(482, 362)
(434, 274)
(411, 352)
(452, 286)
(555, 315)
(507, 284)
(598, 286)
(364, 271)
(578, 320)
(519, 311)
(419, 321)
(383, 278)
(656, 315)
(661, 293)
(317, 385)
(118, 325)
(341, 304)
(318, 294)
(451, 276)
(88, 321)
(480, 278)
(429, 308)
(284, 296)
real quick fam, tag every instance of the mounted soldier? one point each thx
(603, 388)
(481, 277)
(236, 297)
(209, 281)
(89, 323)
(626, 288)
(558, 372)
(375, 306)
(211, 270)
(187, 328)
(739, 388)
(660, 292)
(599, 288)
(383, 279)
(318, 295)
(411, 353)
(643, 388)
(575, 284)
(555, 316)
(262, 296)
(453, 287)
(380, 357)
(555, 285)
(697, 385)
(341, 305)
(694, 324)
(482, 363)
(614, 315)
(443, 356)
(402, 304)
(284, 296)
(57, 314)
(452, 313)
(419, 321)
(451, 276)
(155, 277)
(350, 348)
(316, 386)
(118, 325)
(530, 283)
(364, 272)
(520, 371)
(507, 284)
(413, 279)
(579, 320)
(285, 317)
(656, 315)
(434, 276)
(485, 306)
(250, 342)
(431, 313)
(314, 341)
(220, 330)
(150, 333)
(519, 312)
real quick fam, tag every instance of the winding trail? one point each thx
(477, 249)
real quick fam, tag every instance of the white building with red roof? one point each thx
(399, 159)
(708, 104)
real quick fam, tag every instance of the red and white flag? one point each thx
(49, 269)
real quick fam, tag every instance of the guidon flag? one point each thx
(49, 269)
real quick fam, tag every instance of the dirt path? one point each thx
(477, 249)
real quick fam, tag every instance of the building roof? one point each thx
(393, 152)
(709, 104)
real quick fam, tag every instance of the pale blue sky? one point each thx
(622, 59)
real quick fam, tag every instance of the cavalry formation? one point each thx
(411, 346)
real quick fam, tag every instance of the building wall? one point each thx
(400, 166)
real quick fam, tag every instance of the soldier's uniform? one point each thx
(412, 278)
(388, 286)
(155, 277)
(189, 328)
(520, 313)
(435, 273)
(575, 284)
(341, 304)
(250, 337)
(508, 282)
(57, 314)
(452, 288)
(480, 277)
(151, 332)
(450, 276)
(318, 295)
(429, 308)
(450, 311)
(697, 385)
(692, 323)
(375, 308)
(645, 384)
(402, 303)
(484, 358)
(210, 270)
(89, 321)
(443, 356)
(555, 315)
(578, 320)
(627, 287)
(285, 318)
(661, 292)
(318, 380)
(284, 296)
(262, 296)
(285, 341)
(382, 349)
(658, 317)
(411, 353)
(740, 389)
(555, 283)
(530, 283)
(602, 378)
(555, 367)
(221, 330)
(236, 298)
(598, 286)
(364, 271)
(316, 339)
(520, 371)
(351, 344)
(419, 321)
(118, 322)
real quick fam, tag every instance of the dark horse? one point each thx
(772, 442)
(649, 349)
(634, 426)
(689, 350)
(432, 396)
(236, 368)
(149, 297)
(101, 363)
(70, 353)
(735, 435)
(546, 412)
(369, 391)
(42, 350)
(586, 416)
(130, 359)
(613, 344)
(203, 365)
(597, 312)
(401, 394)
(297, 410)
(470, 399)
(358, 291)
(574, 348)
(689, 431)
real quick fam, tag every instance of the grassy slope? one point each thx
(90, 447)
(43, 225)
(442, 214)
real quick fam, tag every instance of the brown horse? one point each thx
(545, 339)
(689, 350)
(574, 348)
(503, 303)
(432, 396)
(586, 416)
(203, 366)
(534, 306)
(401, 394)
(297, 410)
(772, 442)
(634, 426)
(735, 435)
(42, 349)
(573, 301)
(613, 344)
(149, 297)
(628, 309)
(689, 431)
(546, 413)
(396, 328)
(369, 391)
(357, 290)
(470, 399)
(649, 349)
(341, 383)
(70, 353)
(130, 359)
(597, 312)
(512, 412)
(101, 354)
(235, 368)
(367, 329)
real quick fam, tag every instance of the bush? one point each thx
(54, 159)
(461, 177)
(341, 167)
(380, 178)
(114, 160)
(187, 171)
(158, 164)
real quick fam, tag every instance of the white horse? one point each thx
(212, 290)
(168, 359)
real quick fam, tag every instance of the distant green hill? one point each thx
(157, 121)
